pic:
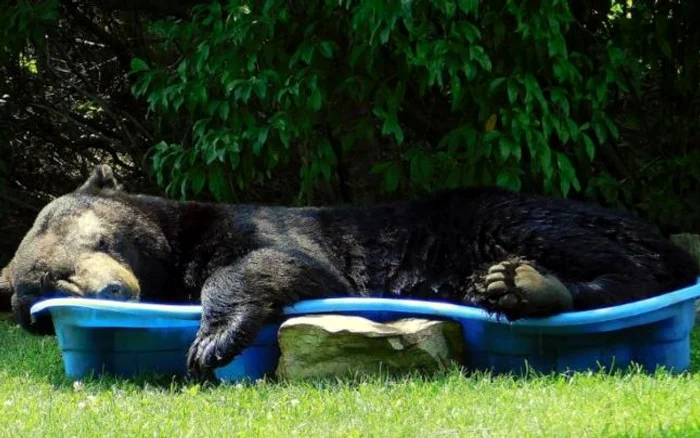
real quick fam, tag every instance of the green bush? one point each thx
(454, 92)
(357, 100)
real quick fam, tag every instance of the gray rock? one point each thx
(320, 346)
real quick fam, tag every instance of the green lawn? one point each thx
(37, 400)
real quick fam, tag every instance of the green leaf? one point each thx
(326, 171)
(453, 177)
(178, 101)
(503, 178)
(601, 92)
(307, 52)
(234, 159)
(508, 178)
(612, 128)
(562, 130)
(260, 139)
(493, 86)
(456, 88)
(590, 148)
(355, 54)
(224, 109)
(599, 131)
(547, 122)
(565, 166)
(315, 100)
(210, 155)
(565, 186)
(516, 151)
(262, 135)
(545, 155)
(421, 168)
(380, 168)
(242, 91)
(489, 140)
(141, 86)
(477, 53)
(138, 64)
(469, 31)
(261, 89)
(199, 128)
(217, 183)
(469, 71)
(567, 174)
(200, 93)
(573, 129)
(198, 179)
(183, 187)
(391, 126)
(556, 44)
(469, 6)
(505, 148)
(392, 177)
(512, 91)
(212, 107)
(558, 96)
(326, 49)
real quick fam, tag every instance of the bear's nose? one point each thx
(113, 291)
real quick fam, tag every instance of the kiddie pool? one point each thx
(128, 338)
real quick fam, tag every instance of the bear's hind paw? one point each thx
(516, 289)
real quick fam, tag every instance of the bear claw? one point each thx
(204, 356)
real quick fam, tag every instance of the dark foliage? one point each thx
(327, 102)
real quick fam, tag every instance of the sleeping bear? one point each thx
(512, 254)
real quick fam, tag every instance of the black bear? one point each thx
(515, 255)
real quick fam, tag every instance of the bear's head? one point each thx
(93, 242)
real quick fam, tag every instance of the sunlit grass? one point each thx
(37, 400)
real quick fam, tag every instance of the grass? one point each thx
(37, 400)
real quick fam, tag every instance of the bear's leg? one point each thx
(616, 288)
(517, 289)
(220, 339)
(238, 300)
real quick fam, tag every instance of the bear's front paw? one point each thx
(516, 289)
(208, 352)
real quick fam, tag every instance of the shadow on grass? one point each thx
(37, 359)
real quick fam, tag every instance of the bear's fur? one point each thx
(513, 254)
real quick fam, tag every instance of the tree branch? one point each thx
(117, 47)
(160, 8)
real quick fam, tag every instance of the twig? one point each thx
(118, 48)
(640, 171)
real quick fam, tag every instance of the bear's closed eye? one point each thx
(103, 245)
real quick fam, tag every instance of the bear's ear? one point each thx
(101, 178)
(6, 290)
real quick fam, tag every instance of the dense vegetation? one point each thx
(337, 101)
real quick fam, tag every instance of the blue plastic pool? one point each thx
(126, 338)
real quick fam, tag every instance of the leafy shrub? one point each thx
(337, 100)
(453, 92)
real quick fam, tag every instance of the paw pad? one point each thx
(516, 289)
